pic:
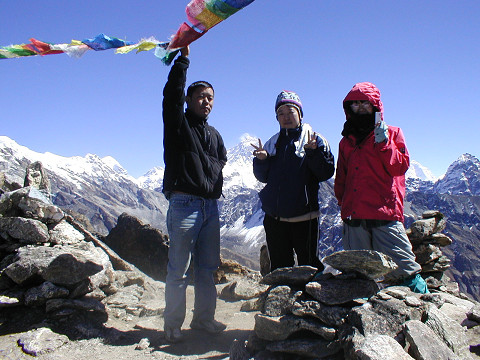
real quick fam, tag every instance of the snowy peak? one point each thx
(74, 169)
(239, 168)
(153, 179)
(462, 177)
(114, 165)
(418, 171)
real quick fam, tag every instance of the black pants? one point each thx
(285, 238)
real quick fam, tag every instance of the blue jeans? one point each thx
(194, 230)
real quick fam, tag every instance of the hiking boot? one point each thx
(173, 335)
(210, 326)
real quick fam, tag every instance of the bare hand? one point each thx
(259, 151)
(312, 141)
(185, 51)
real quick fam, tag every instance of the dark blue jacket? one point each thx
(292, 182)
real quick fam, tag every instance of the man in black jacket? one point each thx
(194, 156)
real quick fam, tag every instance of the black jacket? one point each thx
(292, 182)
(194, 153)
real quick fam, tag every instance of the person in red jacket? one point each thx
(370, 184)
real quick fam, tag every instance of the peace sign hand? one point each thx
(312, 141)
(260, 152)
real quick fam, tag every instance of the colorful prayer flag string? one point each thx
(202, 15)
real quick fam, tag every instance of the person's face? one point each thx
(288, 117)
(201, 101)
(362, 107)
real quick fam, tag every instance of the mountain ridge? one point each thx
(101, 190)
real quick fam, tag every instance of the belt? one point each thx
(304, 217)
(368, 223)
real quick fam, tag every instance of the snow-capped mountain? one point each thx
(240, 215)
(462, 177)
(418, 171)
(99, 189)
(153, 179)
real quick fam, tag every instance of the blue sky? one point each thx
(423, 55)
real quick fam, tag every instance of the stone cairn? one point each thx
(348, 313)
(56, 274)
(427, 241)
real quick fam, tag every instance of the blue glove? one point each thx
(381, 132)
(417, 284)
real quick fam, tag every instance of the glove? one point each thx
(381, 132)
(417, 284)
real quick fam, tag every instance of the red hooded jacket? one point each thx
(370, 177)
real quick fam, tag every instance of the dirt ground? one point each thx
(126, 335)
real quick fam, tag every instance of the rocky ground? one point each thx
(122, 338)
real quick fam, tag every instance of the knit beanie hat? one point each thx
(289, 98)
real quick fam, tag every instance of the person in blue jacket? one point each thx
(292, 163)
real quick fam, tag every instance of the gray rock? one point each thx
(36, 176)
(396, 291)
(329, 315)
(31, 203)
(143, 344)
(26, 231)
(306, 348)
(63, 233)
(473, 336)
(242, 289)
(381, 347)
(9, 182)
(39, 295)
(424, 343)
(253, 304)
(50, 264)
(441, 264)
(413, 301)
(61, 308)
(41, 341)
(341, 291)
(423, 228)
(141, 245)
(281, 327)
(474, 313)
(84, 287)
(432, 214)
(280, 300)
(463, 303)
(385, 317)
(127, 278)
(351, 339)
(292, 276)
(34, 205)
(369, 322)
(264, 260)
(369, 263)
(426, 253)
(128, 295)
(457, 313)
(450, 332)
(9, 301)
(398, 309)
(105, 276)
(439, 239)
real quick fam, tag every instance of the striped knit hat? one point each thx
(290, 98)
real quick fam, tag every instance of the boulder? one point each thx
(371, 264)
